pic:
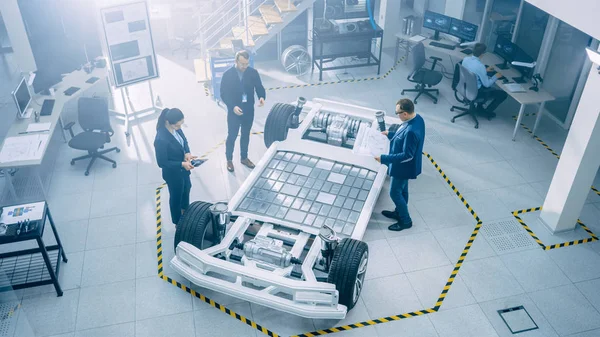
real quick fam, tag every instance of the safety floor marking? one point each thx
(381, 77)
(447, 286)
(592, 237)
(206, 89)
(546, 146)
(194, 293)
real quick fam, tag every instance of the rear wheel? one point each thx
(348, 270)
(195, 226)
(277, 124)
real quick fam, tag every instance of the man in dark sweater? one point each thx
(404, 161)
(237, 92)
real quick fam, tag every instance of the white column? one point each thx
(11, 14)
(389, 19)
(578, 164)
(455, 8)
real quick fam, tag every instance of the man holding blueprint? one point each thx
(404, 161)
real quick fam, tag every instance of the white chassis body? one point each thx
(250, 280)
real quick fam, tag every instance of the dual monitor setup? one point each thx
(467, 32)
(22, 97)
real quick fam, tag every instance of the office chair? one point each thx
(423, 77)
(94, 120)
(465, 89)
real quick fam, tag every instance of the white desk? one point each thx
(75, 79)
(524, 98)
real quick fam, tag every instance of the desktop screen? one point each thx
(463, 30)
(505, 48)
(436, 21)
(22, 96)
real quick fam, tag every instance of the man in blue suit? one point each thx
(404, 161)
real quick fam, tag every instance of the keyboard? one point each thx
(47, 107)
(467, 51)
(442, 45)
(491, 73)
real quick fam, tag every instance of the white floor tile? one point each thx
(155, 298)
(281, 323)
(590, 290)
(358, 314)
(518, 197)
(387, 296)
(48, 314)
(487, 205)
(488, 279)
(180, 325)
(419, 326)
(111, 231)
(477, 153)
(429, 284)
(491, 311)
(72, 235)
(107, 304)
(66, 182)
(118, 330)
(113, 202)
(418, 251)
(566, 309)
(579, 263)
(381, 261)
(534, 270)
(108, 265)
(70, 207)
(469, 321)
(484, 176)
(444, 212)
(590, 333)
(454, 240)
(107, 178)
(535, 169)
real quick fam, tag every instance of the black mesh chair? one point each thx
(94, 120)
(465, 89)
(423, 77)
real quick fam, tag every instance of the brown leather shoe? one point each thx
(230, 166)
(246, 162)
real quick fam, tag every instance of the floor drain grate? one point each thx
(517, 319)
(507, 236)
(8, 317)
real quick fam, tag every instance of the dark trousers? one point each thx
(234, 123)
(179, 195)
(399, 195)
(494, 95)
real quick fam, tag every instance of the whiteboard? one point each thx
(129, 43)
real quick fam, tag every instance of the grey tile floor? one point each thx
(107, 224)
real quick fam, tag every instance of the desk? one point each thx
(524, 98)
(78, 79)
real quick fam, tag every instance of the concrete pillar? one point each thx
(389, 19)
(455, 8)
(23, 55)
(578, 164)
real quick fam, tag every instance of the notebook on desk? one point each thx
(515, 87)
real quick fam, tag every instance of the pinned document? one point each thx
(38, 127)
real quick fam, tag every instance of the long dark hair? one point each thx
(169, 115)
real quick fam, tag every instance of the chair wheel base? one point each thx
(452, 120)
(452, 109)
(476, 126)
(72, 162)
(118, 150)
(114, 165)
(402, 93)
(87, 173)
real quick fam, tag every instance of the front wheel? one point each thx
(195, 226)
(348, 270)
(277, 124)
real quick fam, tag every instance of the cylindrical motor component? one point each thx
(220, 218)
(295, 118)
(380, 116)
(270, 251)
(337, 131)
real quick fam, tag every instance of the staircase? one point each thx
(254, 22)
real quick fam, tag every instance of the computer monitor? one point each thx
(463, 30)
(22, 97)
(505, 49)
(438, 22)
(521, 56)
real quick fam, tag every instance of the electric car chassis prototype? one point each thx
(290, 238)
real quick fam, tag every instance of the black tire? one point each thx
(195, 225)
(276, 126)
(344, 271)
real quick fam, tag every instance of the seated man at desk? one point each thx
(484, 82)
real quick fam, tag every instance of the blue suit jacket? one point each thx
(405, 158)
(170, 154)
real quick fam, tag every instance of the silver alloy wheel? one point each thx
(360, 276)
(296, 60)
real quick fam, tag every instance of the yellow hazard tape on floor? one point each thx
(159, 256)
(592, 237)
(341, 81)
(206, 89)
(546, 146)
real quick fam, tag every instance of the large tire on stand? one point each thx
(348, 270)
(195, 226)
(276, 126)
